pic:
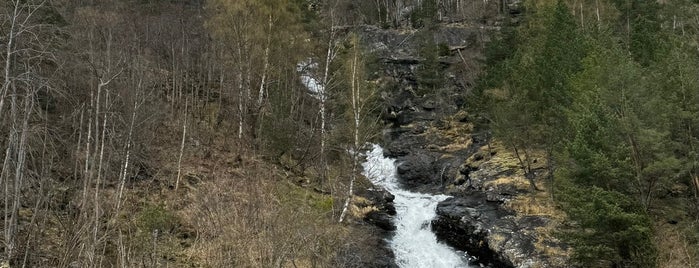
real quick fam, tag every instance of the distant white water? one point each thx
(414, 243)
(314, 86)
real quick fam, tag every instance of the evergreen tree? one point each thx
(530, 112)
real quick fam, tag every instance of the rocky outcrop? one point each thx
(377, 222)
(466, 224)
(498, 217)
(436, 151)
(382, 208)
(498, 237)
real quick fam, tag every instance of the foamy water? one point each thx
(414, 243)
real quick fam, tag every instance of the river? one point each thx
(414, 244)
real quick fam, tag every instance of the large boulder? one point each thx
(466, 224)
(416, 169)
(495, 235)
(383, 210)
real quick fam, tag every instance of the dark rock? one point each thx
(388, 197)
(464, 224)
(416, 170)
(381, 199)
(466, 169)
(381, 220)
(531, 221)
(460, 180)
(380, 225)
(496, 197)
(491, 233)
(429, 105)
(404, 60)
(404, 118)
(400, 147)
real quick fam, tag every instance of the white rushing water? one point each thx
(414, 243)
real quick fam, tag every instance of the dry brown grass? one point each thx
(529, 203)
(457, 133)
(675, 249)
(538, 203)
(518, 182)
(257, 219)
(360, 207)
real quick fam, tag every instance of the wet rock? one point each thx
(465, 223)
(416, 170)
(381, 199)
(492, 233)
(402, 146)
(380, 225)
(381, 220)
(514, 7)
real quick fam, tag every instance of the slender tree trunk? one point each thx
(96, 219)
(241, 99)
(87, 178)
(329, 56)
(19, 176)
(599, 20)
(125, 168)
(355, 151)
(8, 54)
(261, 94)
(184, 135)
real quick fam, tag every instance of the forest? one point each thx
(606, 92)
(229, 133)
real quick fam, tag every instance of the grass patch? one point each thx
(519, 182)
(677, 242)
(451, 129)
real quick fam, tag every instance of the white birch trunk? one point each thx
(184, 135)
(96, 221)
(87, 177)
(324, 94)
(261, 94)
(125, 168)
(240, 94)
(355, 151)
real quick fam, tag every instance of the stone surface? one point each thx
(476, 219)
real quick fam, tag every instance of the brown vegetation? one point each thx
(151, 133)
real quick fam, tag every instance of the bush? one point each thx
(156, 218)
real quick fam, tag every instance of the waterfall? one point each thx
(414, 244)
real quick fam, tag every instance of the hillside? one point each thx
(233, 133)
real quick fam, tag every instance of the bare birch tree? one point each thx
(362, 95)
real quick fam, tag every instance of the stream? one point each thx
(414, 244)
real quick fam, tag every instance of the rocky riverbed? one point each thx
(494, 214)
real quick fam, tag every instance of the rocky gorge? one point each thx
(493, 214)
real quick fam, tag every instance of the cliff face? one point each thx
(494, 215)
